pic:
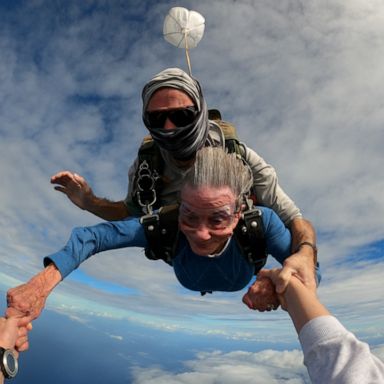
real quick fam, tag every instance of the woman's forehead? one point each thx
(207, 197)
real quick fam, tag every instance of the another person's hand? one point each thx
(13, 333)
(300, 264)
(261, 296)
(273, 275)
(74, 186)
(9, 332)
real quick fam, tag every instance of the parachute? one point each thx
(184, 29)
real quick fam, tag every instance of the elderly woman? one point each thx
(207, 257)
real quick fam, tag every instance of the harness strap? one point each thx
(148, 178)
(162, 233)
(249, 234)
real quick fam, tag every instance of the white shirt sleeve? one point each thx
(333, 355)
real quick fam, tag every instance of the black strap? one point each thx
(148, 178)
(162, 233)
(249, 234)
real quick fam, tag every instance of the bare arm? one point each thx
(29, 299)
(8, 336)
(80, 193)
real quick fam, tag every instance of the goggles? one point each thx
(219, 218)
(181, 117)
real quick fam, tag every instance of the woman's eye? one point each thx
(191, 219)
(219, 220)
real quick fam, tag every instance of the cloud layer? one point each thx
(303, 83)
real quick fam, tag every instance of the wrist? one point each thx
(8, 363)
(310, 246)
(49, 278)
(90, 201)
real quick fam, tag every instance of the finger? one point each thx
(60, 189)
(283, 278)
(247, 301)
(63, 179)
(12, 322)
(78, 178)
(23, 347)
(13, 312)
(20, 342)
(24, 330)
(264, 273)
(61, 174)
(25, 321)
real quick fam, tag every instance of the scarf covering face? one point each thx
(181, 142)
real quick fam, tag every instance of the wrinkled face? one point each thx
(169, 99)
(207, 218)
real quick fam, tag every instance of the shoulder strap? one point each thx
(148, 177)
(249, 234)
(162, 233)
(232, 142)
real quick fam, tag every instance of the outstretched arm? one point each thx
(331, 353)
(80, 193)
(29, 299)
(301, 302)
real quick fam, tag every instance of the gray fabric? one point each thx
(182, 142)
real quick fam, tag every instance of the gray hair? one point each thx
(215, 167)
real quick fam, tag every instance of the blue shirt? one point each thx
(230, 271)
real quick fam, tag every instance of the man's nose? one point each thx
(168, 124)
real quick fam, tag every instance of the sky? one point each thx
(303, 83)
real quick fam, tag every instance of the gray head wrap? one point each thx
(181, 142)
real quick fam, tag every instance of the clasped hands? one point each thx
(266, 293)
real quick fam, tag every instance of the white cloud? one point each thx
(235, 367)
(301, 81)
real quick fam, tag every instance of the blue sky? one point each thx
(302, 82)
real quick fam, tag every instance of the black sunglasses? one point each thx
(180, 117)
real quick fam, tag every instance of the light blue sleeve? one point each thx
(277, 235)
(87, 241)
(278, 238)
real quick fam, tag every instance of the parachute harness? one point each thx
(146, 191)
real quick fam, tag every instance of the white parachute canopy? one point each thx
(184, 29)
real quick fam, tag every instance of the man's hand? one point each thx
(261, 295)
(29, 299)
(75, 187)
(81, 194)
(300, 264)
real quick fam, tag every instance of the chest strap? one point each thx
(249, 234)
(162, 233)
